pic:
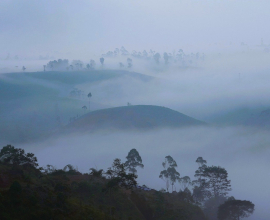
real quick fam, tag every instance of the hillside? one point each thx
(36, 103)
(132, 117)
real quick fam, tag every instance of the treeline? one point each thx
(49, 193)
(178, 57)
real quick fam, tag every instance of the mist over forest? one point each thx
(84, 84)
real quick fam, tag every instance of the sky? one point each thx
(85, 28)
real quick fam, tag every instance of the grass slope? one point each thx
(133, 117)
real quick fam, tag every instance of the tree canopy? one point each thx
(169, 174)
(17, 156)
(235, 209)
(133, 160)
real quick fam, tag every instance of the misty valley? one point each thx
(135, 135)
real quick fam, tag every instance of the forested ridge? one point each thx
(28, 191)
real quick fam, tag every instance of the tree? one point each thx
(101, 60)
(199, 173)
(23, 68)
(129, 61)
(16, 156)
(88, 66)
(89, 96)
(157, 57)
(92, 64)
(166, 57)
(217, 181)
(44, 68)
(169, 174)
(96, 173)
(185, 182)
(200, 193)
(84, 108)
(119, 177)
(235, 209)
(133, 160)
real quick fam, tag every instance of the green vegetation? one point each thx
(235, 209)
(31, 192)
(132, 117)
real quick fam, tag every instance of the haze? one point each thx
(226, 84)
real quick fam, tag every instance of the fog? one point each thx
(226, 86)
(68, 29)
(243, 152)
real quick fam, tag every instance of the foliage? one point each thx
(235, 209)
(16, 156)
(185, 182)
(216, 181)
(169, 174)
(119, 177)
(96, 173)
(133, 160)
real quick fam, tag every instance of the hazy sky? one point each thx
(82, 28)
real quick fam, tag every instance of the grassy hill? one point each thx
(31, 102)
(132, 117)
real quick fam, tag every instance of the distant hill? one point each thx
(262, 120)
(132, 117)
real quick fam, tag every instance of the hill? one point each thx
(132, 117)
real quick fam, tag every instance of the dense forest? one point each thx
(32, 192)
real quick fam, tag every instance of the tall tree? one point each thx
(185, 182)
(166, 58)
(217, 181)
(169, 174)
(235, 209)
(119, 177)
(89, 96)
(133, 160)
(157, 57)
(84, 108)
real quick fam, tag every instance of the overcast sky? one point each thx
(83, 28)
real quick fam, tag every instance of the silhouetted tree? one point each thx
(101, 60)
(92, 64)
(185, 182)
(121, 65)
(84, 108)
(133, 160)
(166, 58)
(119, 177)
(11, 155)
(89, 96)
(217, 181)
(235, 209)
(169, 174)
(44, 68)
(96, 173)
(129, 61)
(23, 68)
(157, 57)
(200, 193)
